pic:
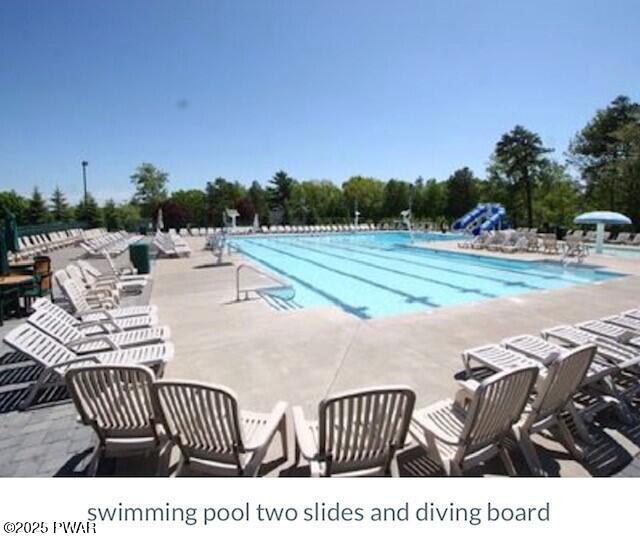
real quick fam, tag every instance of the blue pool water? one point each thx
(631, 252)
(371, 275)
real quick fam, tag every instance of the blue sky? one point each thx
(322, 89)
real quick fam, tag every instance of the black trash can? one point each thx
(139, 257)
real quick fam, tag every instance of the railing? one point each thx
(51, 227)
(255, 289)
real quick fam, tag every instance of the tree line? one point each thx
(601, 170)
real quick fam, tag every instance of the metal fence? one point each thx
(50, 227)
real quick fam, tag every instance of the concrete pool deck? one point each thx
(298, 356)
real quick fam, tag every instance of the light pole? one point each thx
(84, 180)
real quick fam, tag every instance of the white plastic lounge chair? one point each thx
(94, 277)
(621, 238)
(632, 313)
(546, 353)
(598, 389)
(96, 312)
(519, 245)
(357, 433)
(622, 355)
(477, 241)
(616, 333)
(55, 357)
(459, 434)
(125, 273)
(106, 326)
(75, 339)
(635, 240)
(210, 430)
(624, 322)
(94, 289)
(554, 394)
(625, 357)
(116, 402)
(550, 244)
(496, 358)
(481, 241)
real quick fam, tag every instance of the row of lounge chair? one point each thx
(306, 229)
(512, 241)
(115, 243)
(318, 229)
(39, 244)
(171, 244)
(622, 238)
(527, 241)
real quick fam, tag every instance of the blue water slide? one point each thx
(495, 221)
(472, 215)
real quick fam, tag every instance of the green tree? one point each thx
(279, 194)
(598, 147)
(369, 195)
(89, 212)
(60, 209)
(518, 159)
(462, 194)
(260, 201)
(151, 188)
(559, 197)
(430, 200)
(194, 204)
(37, 211)
(397, 197)
(130, 216)
(221, 194)
(15, 204)
(111, 216)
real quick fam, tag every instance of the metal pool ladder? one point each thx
(260, 290)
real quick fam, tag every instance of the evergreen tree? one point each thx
(60, 210)
(89, 212)
(111, 216)
(461, 193)
(37, 212)
(518, 160)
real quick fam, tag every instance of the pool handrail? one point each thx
(246, 291)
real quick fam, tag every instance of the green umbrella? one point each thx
(11, 232)
(4, 251)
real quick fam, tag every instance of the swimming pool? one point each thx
(621, 251)
(372, 275)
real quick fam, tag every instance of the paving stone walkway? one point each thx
(46, 440)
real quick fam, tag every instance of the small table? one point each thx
(17, 280)
(13, 279)
(22, 266)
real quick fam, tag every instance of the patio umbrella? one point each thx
(256, 222)
(11, 231)
(4, 251)
(159, 221)
(601, 219)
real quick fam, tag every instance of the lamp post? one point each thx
(84, 181)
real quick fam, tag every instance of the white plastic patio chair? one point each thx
(554, 394)
(357, 432)
(462, 433)
(116, 402)
(212, 433)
